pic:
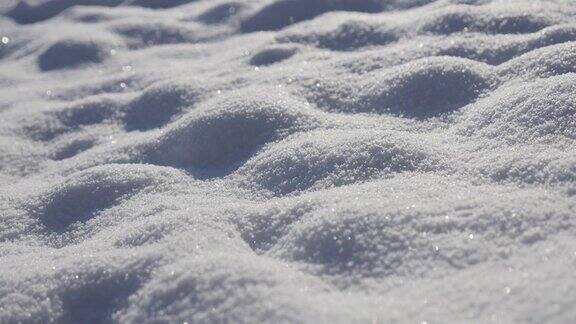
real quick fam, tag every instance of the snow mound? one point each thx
(226, 131)
(68, 53)
(272, 55)
(420, 89)
(160, 103)
(323, 159)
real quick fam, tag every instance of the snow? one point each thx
(385, 161)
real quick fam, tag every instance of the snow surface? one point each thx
(307, 161)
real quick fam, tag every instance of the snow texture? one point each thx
(288, 161)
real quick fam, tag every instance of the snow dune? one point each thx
(305, 161)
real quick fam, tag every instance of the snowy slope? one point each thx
(306, 161)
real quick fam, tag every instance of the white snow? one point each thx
(305, 161)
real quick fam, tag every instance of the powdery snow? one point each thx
(306, 161)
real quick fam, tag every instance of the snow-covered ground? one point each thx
(306, 161)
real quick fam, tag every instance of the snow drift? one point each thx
(296, 161)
